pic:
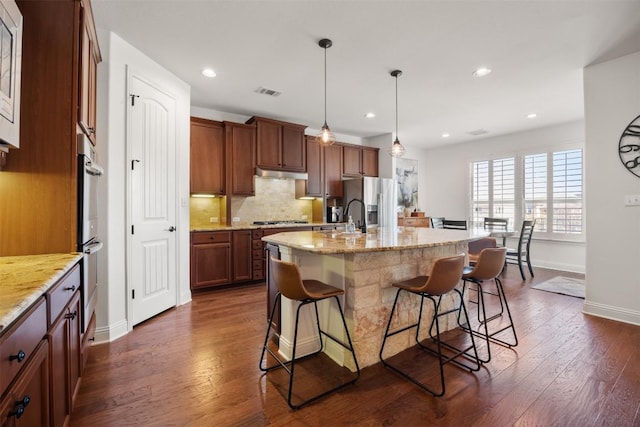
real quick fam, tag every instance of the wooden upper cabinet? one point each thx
(314, 184)
(370, 161)
(207, 156)
(279, 145)
(359, 161)
(87, 80)
(333, 171)
(241, 147)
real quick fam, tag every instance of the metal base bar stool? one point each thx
(445, 275)
(488, 267)
(287, 278)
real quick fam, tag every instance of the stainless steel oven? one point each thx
(88, 242)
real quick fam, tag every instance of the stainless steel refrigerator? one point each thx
(371, 201)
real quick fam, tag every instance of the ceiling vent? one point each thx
(264, 91)
(478, 132)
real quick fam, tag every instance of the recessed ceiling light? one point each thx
(532, 116)
(445, 135)
(481, 72)
(208, 72)
(370, 115)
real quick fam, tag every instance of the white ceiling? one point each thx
(536, 49)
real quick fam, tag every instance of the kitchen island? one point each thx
(365, 266)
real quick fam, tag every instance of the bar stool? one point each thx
(488, 267)
(287, 278)
(444, 277)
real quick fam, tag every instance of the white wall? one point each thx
(117, 54)
(444, 176)
(612, 101)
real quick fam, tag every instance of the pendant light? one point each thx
(396, 150)
(326, 137)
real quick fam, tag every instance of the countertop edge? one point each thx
(34, 294)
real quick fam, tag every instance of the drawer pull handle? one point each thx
(70, 288)
(18, 412)
(71, 315)
(19, 357)
(25, 401)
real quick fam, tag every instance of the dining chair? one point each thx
(452, 224)
(476, 246)
(436, 221)
(521, 254)
(497, 224)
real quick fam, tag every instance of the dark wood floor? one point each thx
(196, 365)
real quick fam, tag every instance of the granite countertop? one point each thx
(24, 279)
(382, 239)
(246, 226)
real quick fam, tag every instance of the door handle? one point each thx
(172, 229)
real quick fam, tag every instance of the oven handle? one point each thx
(93, 248)
(93, 169)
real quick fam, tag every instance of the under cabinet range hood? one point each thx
(280, 174)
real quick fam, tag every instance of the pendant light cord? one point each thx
(325, 86)
(397, 139)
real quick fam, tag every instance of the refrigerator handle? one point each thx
(381, 212)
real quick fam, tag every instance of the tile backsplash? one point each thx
(274, 199)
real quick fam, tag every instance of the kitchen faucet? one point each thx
(363, 228)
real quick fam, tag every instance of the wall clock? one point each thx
(629, 147)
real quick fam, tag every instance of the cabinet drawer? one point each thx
(19, 342)
(257, 254)
(257, 245)
(211, 237)
(257, 234)
(59, 296)
(257, 264)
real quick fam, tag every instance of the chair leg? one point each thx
(520, 266)
(266, 339)
(529, 264)
(511, 325)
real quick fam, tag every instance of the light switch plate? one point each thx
(632, 200)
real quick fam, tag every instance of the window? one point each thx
(549, 185)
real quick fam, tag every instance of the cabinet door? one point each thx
(314, 168)
(242, 255)
(242, 140)
(269, 138)
(87, 79)
(59, 356)
(293, 149)
(351, 161)
(333, 170)
(207, 157)
(73, 323)
(210, 264)
(32, 387)
(369, 161)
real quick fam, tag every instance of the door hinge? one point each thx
(133, 294)
(132, 230)
(133, 163)
(133, 99)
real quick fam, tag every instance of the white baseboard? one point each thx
(111, 332)
(305, 346)
(611, 312)
(572, 268)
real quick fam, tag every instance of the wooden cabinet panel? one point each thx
(333, 170)
(18, 343)
(87, 85)
(59, 296)
(64, 350)
(279, 145)
(29, 395)
(242, 255)
(241, 140)
(210, 262)
(88, 337)
(351, 161)
(268, 135)
(415, 222)
(370, 161)
(314, 185)
(207, 153)
(293, 148)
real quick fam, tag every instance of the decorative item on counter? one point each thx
(351, 227)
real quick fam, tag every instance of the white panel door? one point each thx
(152, 261)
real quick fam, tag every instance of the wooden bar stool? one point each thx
(287, 278)
(444, 277)
(488, 267)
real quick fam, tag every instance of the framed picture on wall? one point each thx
(10, 72)
(407, 177)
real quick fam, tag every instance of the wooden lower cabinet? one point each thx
(210, 258)
(64, 355)
(26, 402)
(413, 221)
(242, 255)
